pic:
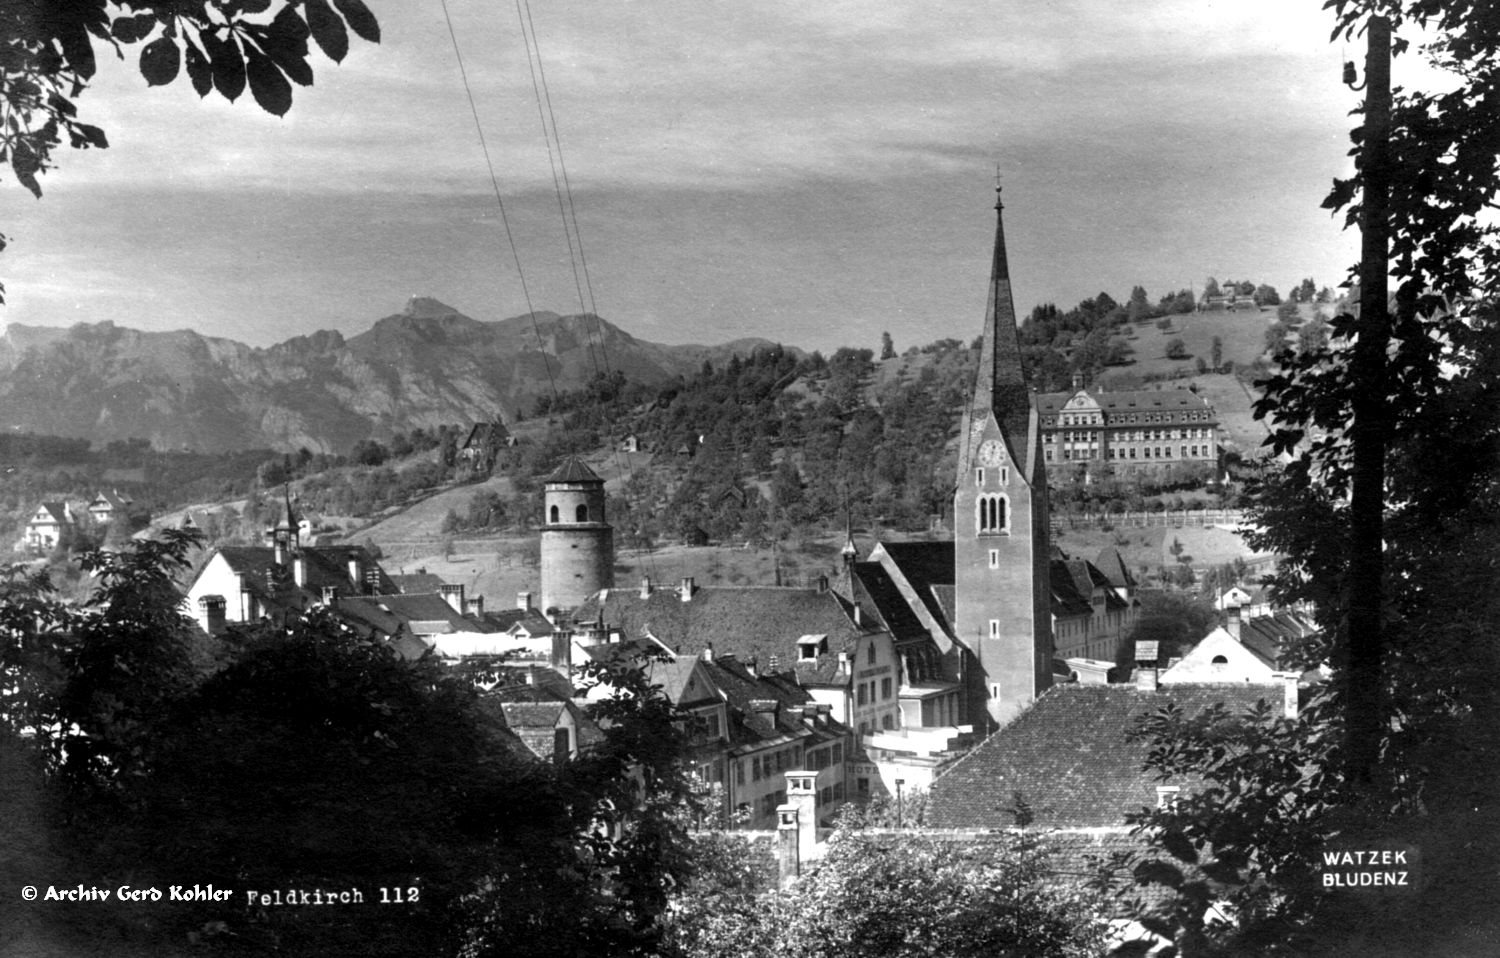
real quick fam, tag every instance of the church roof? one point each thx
(573, 470)
(1000, 383)
(928, 568)
(888, 602)
(1069, 758)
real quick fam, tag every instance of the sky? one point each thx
(810, 173)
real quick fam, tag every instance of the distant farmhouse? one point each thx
(483, 444)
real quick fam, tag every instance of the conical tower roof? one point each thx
(573, 470)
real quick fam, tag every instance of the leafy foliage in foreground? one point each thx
(883, 893)
(306, 757)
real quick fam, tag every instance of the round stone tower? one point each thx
(578, 547)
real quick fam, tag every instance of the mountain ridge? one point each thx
(424, 366)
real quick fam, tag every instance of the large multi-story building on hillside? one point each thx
(1140, 429)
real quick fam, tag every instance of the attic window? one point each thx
(1219, 661)
(1166, 796)
(809, 647)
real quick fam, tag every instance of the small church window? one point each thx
(994, 628)
(978, 477)
(994, 558)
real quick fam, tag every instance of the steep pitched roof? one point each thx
(1000, 382)
(1112, 564)
(1068, 757)
(754, 623)
(928, 568)
(1067, 600)
(886, 600)
(57, 510)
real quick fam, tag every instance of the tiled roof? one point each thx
(416, 582)
(1133, 400)
(1112, 564)
(58, 511)
(1066, 598)
(1267, 635)
(573, 470)
(753, 623)
(486, 432)
(1068, 757)
(326, 566)
(111, 499)
(750, 726)
(532, 620)
(888, 602)
(925, 566)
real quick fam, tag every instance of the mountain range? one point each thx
(425, 366)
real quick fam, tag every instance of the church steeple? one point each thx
(1000, 519)
(1000, 383)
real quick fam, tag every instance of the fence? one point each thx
(1172, 518)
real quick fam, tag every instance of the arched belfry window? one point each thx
(554, 515)
(581, 514)
(993, 515)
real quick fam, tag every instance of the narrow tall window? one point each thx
(581, 513)
(554, 515)
(993, 517)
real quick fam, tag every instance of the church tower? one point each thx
(578, 548)
(1002, 609)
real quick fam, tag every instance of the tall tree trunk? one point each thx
(1370, 430)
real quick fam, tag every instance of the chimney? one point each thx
(474, 606)
(707, 654)
(299, 570)
(329, 593)
(1233, 625)
(211, 614)
(523, 601)
(766, 707)
(453, 595)
(843, 661)
(562, 650)
(802, 791)
(825, 714)
(788, 842)
(646, 587)
(822, 583)
(1145, 680)
(356, 572)
(1290, 693)
(687, 588)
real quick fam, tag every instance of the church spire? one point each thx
(1000, 384)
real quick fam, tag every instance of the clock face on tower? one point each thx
(991, 453)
